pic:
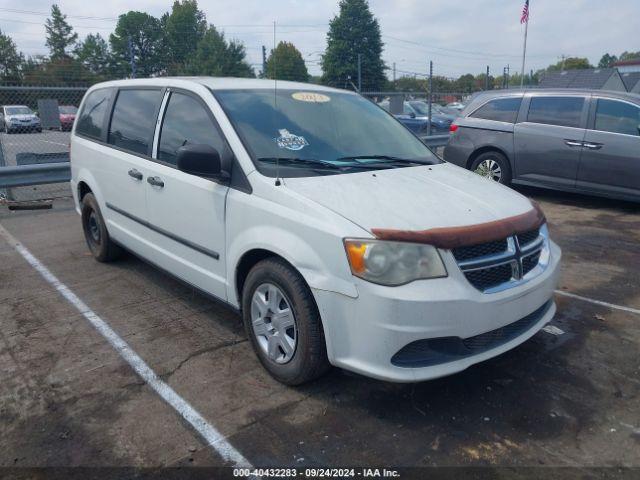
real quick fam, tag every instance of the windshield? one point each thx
(421, 108)
(18, 111)
(309, 132)
(68, 110)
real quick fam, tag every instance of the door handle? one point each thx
(135, 174)
(593, 146)
(573, 143)
(155, 181)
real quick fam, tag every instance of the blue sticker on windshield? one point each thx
(290, 141)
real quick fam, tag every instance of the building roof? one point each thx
(622, 63)
(594, 78)
(630, 79)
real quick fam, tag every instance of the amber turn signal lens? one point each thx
(355, 253)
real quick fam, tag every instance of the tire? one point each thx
(493, 165)
(95, 231)
(308, 359)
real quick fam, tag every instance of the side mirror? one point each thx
(412, 114)
(201, 160)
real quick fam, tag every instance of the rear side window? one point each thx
(91, 120)
(500, 110)
(186, 121)
(133, 120)
(562, 111)
(617, 117)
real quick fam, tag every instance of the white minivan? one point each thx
(339, 236)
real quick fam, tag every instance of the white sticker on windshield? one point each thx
(312, 97)
(290, 141)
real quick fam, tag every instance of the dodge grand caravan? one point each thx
(339, 236)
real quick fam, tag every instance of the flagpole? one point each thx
(524, 50)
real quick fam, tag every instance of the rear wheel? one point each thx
(282, 321)
(494, 166)
(95, 231)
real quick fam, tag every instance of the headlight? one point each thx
(393, 263)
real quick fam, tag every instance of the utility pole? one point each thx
(486, 80)
(507, 75)
(394, 73)
(563, 58)
(132, 61)
(264, 61)
(430, 95)
(359, 72)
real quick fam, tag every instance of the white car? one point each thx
(339, 236)
(19, 118)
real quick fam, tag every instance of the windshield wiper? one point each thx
(297, 161)
(392, 159)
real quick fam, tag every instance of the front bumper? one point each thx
(364, 334)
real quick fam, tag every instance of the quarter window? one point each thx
(186, 122)
(500, 110)
(133, 120)
(617, 117)
(91, 119)
(562, 111)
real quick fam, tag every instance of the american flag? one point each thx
(525, 12)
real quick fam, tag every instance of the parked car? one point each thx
(440, 122)
(19, 118)
(456, 106)
(416, 121)
(335, 232)
(573, 140)
(67, 116)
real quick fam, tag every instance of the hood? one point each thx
(23, 116)
(413, 198)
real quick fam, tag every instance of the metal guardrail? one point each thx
(59, 172)
(39, 174)
(435, 140)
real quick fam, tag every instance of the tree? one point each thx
(42, 70)
(465, 83)
(285, 62)
(354, 31)
(93, 53)
(607, 61)
(183, 29)
(138, 36)
(629, 55)
(60, 35)
(10, 59)
(215, 56)
(570, 63)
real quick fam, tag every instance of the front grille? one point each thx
(492, 266)
(436, 351)
(528, 237)
(486, 278)
(529, 263)
(480, 250)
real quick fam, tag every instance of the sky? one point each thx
(459, 37)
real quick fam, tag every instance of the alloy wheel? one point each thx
(489, 168)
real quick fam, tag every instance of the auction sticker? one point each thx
(290, 141)
(311, 97)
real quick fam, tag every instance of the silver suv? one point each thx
(574, 140)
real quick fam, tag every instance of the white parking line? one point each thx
(211, 435)
(55, 143)
(599, 302)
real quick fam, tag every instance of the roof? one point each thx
(594, 78)
(220, 83)
(622, 63)
(630, 79)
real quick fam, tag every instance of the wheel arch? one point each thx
(485, 149)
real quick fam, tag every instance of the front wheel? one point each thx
(494, 166)
(283, 323)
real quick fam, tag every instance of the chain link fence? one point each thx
(35, 122)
